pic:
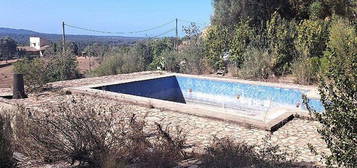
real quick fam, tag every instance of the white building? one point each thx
(37, 42)
(37, 46)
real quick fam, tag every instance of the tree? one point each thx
(72, 47)
(216, 41)
(338, 89)
(230, 12)
(7, 48)
(281, 34)
(96, 50)
(156, 48)
(192, 53)
(56, 48)
(311, 38)
(243, 35)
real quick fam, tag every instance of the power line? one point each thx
(132, 32)
(188, 21)
(164, 33)
(153, 28)
(139, 31)
(92, 30)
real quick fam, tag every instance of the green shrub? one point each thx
(306, 71)
(39, 71)
(338, 88)
(6, 145)
(311, 39)
(171, 61)
(317, 10)
(243, 35)
(188, 60)
(122, 61)
(34, 73)
(258, 64)
(224, 152)
(281, 34)
(192, 58)
(216, 41)
(61, 68)
(157, 48)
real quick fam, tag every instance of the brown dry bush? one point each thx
(96, 135)
(224, 152)
(6, 150)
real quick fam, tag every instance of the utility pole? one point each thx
(176, 28)
(176, 34)
(63, 38)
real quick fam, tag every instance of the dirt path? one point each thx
(6, 72)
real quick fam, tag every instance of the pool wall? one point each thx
(233, 95)
(172, 92)
(160, 88)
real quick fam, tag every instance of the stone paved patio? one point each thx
(293, 136)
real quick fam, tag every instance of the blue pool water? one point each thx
(232, 95)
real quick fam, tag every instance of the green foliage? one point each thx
(216, 43)
(61, 68)
(316, 10)
(192, 58)
(243, 34)
(226, 12)
(230, 12)
(311, 39)
(6, 144)
(157, 47)
(39, 71)
(306, 70)
(57, 48)
(192, 55)
(122, 60)
(310, 44)
(301, 8)
(33, 70)
(304, 9)
(96, 50)
(343, 8)
(171, 61)
(281, 34)
(72, 48)
(7, 48)
(258, 64)
(338, 88)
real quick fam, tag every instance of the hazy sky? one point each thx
(107, 15)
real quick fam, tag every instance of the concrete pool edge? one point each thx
(185, 108)
(312, 91)
(190, 109)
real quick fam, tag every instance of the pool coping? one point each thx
(190, 109)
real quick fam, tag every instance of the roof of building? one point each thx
(32, 49)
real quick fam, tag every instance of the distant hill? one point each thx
(16, 31)
(22, 37)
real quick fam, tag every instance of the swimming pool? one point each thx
(247, 98)
(258, 104)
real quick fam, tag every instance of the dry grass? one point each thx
(224, 152)
(97, 135)
(6, 139)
